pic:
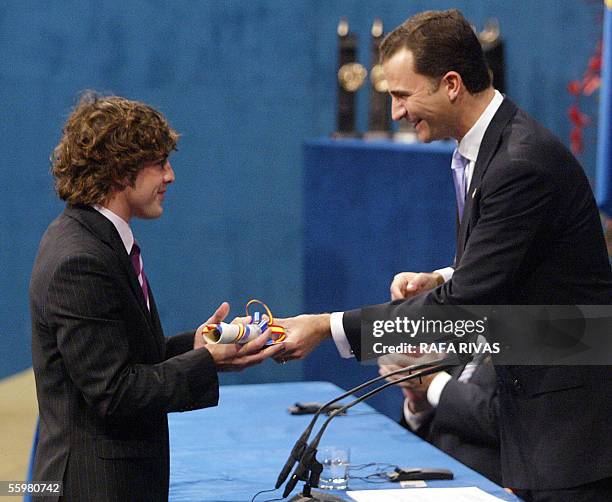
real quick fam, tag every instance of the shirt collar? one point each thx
(470, 144)
(125, 232)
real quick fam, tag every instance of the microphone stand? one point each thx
(300, 445)
(309, 468)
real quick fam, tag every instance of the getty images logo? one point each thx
(423, 326)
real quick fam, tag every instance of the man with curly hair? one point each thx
(106, 376)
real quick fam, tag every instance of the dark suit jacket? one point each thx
(465, 422)
(105, 375)
(531, 235)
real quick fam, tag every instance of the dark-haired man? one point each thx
(529, 233)
(106, 376)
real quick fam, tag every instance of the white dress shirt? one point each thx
(122, 226)
(469, 147)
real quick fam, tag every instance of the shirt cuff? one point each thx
(436, 387)
(414, 420)
(339, 336)
(446, 272)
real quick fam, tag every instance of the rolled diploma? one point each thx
(232, 333)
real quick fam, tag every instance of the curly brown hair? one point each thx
(105, 143)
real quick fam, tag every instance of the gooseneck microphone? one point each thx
(307, 460)
(298, 449)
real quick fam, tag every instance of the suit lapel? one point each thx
(488, 148)
(107, 233)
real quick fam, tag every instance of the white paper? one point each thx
(469, 494)
(417, 483)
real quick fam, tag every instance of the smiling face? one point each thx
(144, 199)
(418, 99)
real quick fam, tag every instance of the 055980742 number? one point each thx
(23, 487)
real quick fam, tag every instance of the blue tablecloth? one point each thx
(231, 452)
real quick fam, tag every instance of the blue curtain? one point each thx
(604, 140)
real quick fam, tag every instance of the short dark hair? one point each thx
(106, 141)
(441, 41)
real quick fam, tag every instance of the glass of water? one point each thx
(335, 462)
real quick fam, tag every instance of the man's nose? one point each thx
(168, 173)
(398, 111)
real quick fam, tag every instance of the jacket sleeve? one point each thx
(471, 409)
(85, 313)
(179, 344)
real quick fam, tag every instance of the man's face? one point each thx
(417, 98)
(145, 198)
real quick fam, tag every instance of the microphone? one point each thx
(298, 449)
(308, 458)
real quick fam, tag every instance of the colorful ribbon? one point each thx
(241, 334)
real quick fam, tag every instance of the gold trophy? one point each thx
(379, 117)
(351, 76)
(493, 48)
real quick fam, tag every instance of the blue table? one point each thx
(371, 209)
(231, 452)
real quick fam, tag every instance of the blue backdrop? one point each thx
(604, 143)
(246, 83)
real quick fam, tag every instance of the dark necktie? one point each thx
(139, 269)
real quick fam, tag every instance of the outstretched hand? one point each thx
(221, 313)
(303, 334)
(234, 357)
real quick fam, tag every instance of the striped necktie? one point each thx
(139, 269)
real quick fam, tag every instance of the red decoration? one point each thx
(591, 81)
(574, 87)
(576, 143)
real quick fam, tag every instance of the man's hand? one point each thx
(416, 385)
(415, 391)
(417, 401)
(409, 284)
(303, 334)
(216, 318)
(233, 357)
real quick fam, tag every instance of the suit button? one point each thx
(516, 384)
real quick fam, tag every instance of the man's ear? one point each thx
(123, 184)
(453, 83)
(117, 187)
